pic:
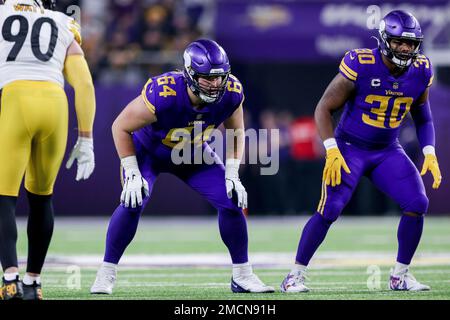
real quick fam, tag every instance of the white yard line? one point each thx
(321, 287)
(295, 220)
(259, 260)
(227, 271)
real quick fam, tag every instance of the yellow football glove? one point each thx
(431, 164)
(332, 171)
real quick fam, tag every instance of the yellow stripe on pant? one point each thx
(33, 136)
(323, 198)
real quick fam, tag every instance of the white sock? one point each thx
(29, 280)
(242, 269)
(10, 276)
(298, 268)
(400, 268)
(110, 266)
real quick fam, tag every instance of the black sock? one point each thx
(8, 232)
(39, 230)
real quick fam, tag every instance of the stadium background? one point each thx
(284, 52)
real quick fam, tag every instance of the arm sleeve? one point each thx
(237, 90)
(423, 120)
(160, 95)
(148, 95)
(76, 71)
(424, 63)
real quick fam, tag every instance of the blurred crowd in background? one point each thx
(126, 40)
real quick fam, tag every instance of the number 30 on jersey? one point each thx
(386, 115)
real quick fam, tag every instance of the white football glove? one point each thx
(83, 152)
(133, 184)
(232, 182)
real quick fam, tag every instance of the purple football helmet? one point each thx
(403, 26)
(206, 58)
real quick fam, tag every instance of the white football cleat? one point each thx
(294, 283)
(104, 282)
(249, 284)
(406, 282)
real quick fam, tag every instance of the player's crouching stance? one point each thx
(33, 128)
(144, 135)
(379, 87)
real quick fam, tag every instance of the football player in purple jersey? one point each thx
(205, 94)
(377, 88)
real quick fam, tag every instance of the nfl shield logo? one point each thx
(395, 85)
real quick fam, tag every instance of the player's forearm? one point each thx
(337, 93)
(426, 134)
(324, 123)
(79, 77)
(123, 141)
(134, 117)
(235, 150)
(423, 121)
(235, 135)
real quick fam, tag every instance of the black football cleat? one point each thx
(32, 291)
(11, 290)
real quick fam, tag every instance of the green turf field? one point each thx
(182, 258)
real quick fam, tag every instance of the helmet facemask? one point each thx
(209, 94)
(401, 59)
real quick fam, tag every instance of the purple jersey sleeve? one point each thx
(148, 95)
(160, 92)
(422, 62)
(349, 65)
(236, 90)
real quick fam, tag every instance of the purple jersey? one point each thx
(373, 115)
(166, 95)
